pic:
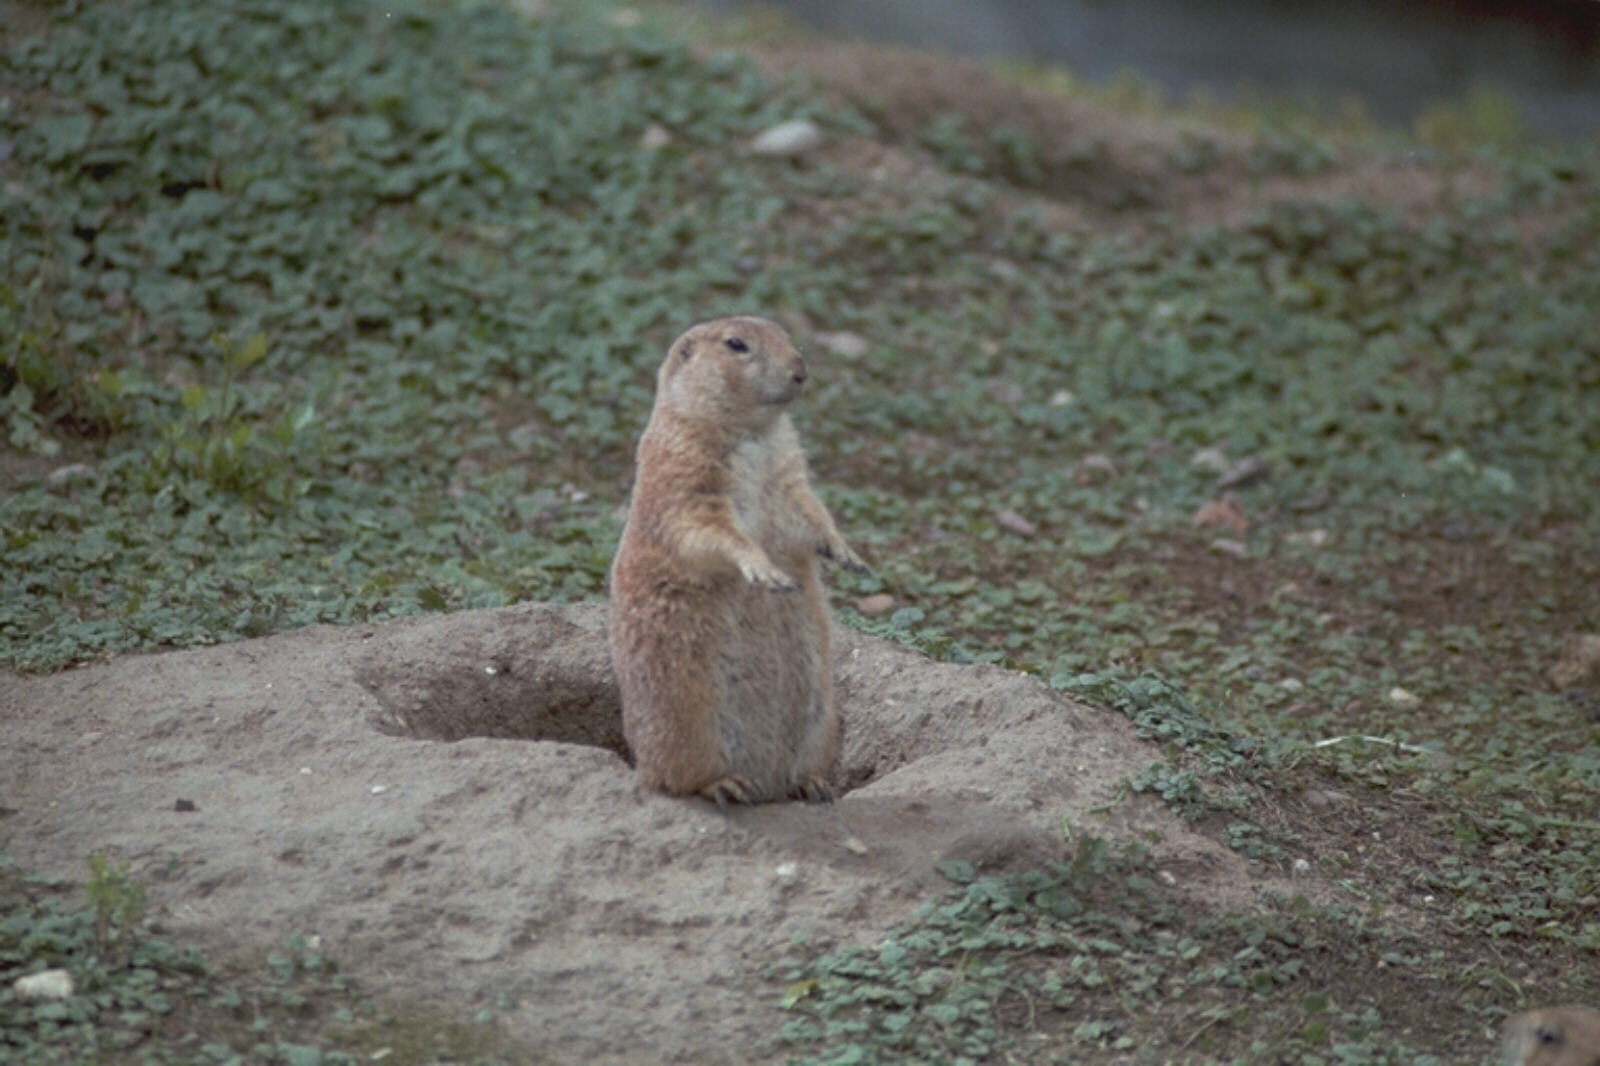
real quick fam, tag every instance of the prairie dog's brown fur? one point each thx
(719, 628)
(1553, 1036)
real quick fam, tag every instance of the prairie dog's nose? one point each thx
(799, 370)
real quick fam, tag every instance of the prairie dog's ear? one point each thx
(678, 355)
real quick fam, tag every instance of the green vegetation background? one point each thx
(330, 311)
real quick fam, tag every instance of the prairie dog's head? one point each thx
(1553, 1036)
(740, 371)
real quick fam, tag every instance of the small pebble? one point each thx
(1226, 546)
(1243, 472)
(1323, 799)
(62, 476)
(46, 984)
(1012, 522)
(1402, 698)
(874, 605)
(788, 139)
(1094, 465)
(844, 344)
(1008, 393)
(1222, 514)
(1579, 662)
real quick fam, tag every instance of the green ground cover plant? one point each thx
(1054, 965)
(278, 349)
(136, 997)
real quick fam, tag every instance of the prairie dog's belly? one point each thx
(754, 491)
(771, 680)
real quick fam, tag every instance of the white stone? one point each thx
(1211, 459)
(1310, 538)
(46, 984)
(1229, 546)
(788, 139)
(844, 344)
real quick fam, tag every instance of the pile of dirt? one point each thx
(1106, 167)
(445, 802)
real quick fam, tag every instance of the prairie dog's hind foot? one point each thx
(735, 788)
(814, 789)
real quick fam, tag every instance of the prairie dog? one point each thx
(1552, 1036)
(719, 628)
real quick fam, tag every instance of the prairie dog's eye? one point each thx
(737, 344)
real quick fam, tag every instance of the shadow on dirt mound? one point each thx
(452, 681)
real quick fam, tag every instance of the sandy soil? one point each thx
(445, 801)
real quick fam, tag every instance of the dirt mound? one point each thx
(444, 800)
(1107, 166)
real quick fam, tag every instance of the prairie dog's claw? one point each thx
(735, 788)
(768, 577)
(841, 553)
(812, 790)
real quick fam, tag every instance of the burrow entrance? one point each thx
(542, 674)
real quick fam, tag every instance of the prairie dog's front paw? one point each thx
(763, 575)
(841, 553)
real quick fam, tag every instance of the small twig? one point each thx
(1567, 823)
(1213, 1020)
(1123, 787)
(1412, 748)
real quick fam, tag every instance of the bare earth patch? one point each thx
(444, 801)
(1104, 165)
